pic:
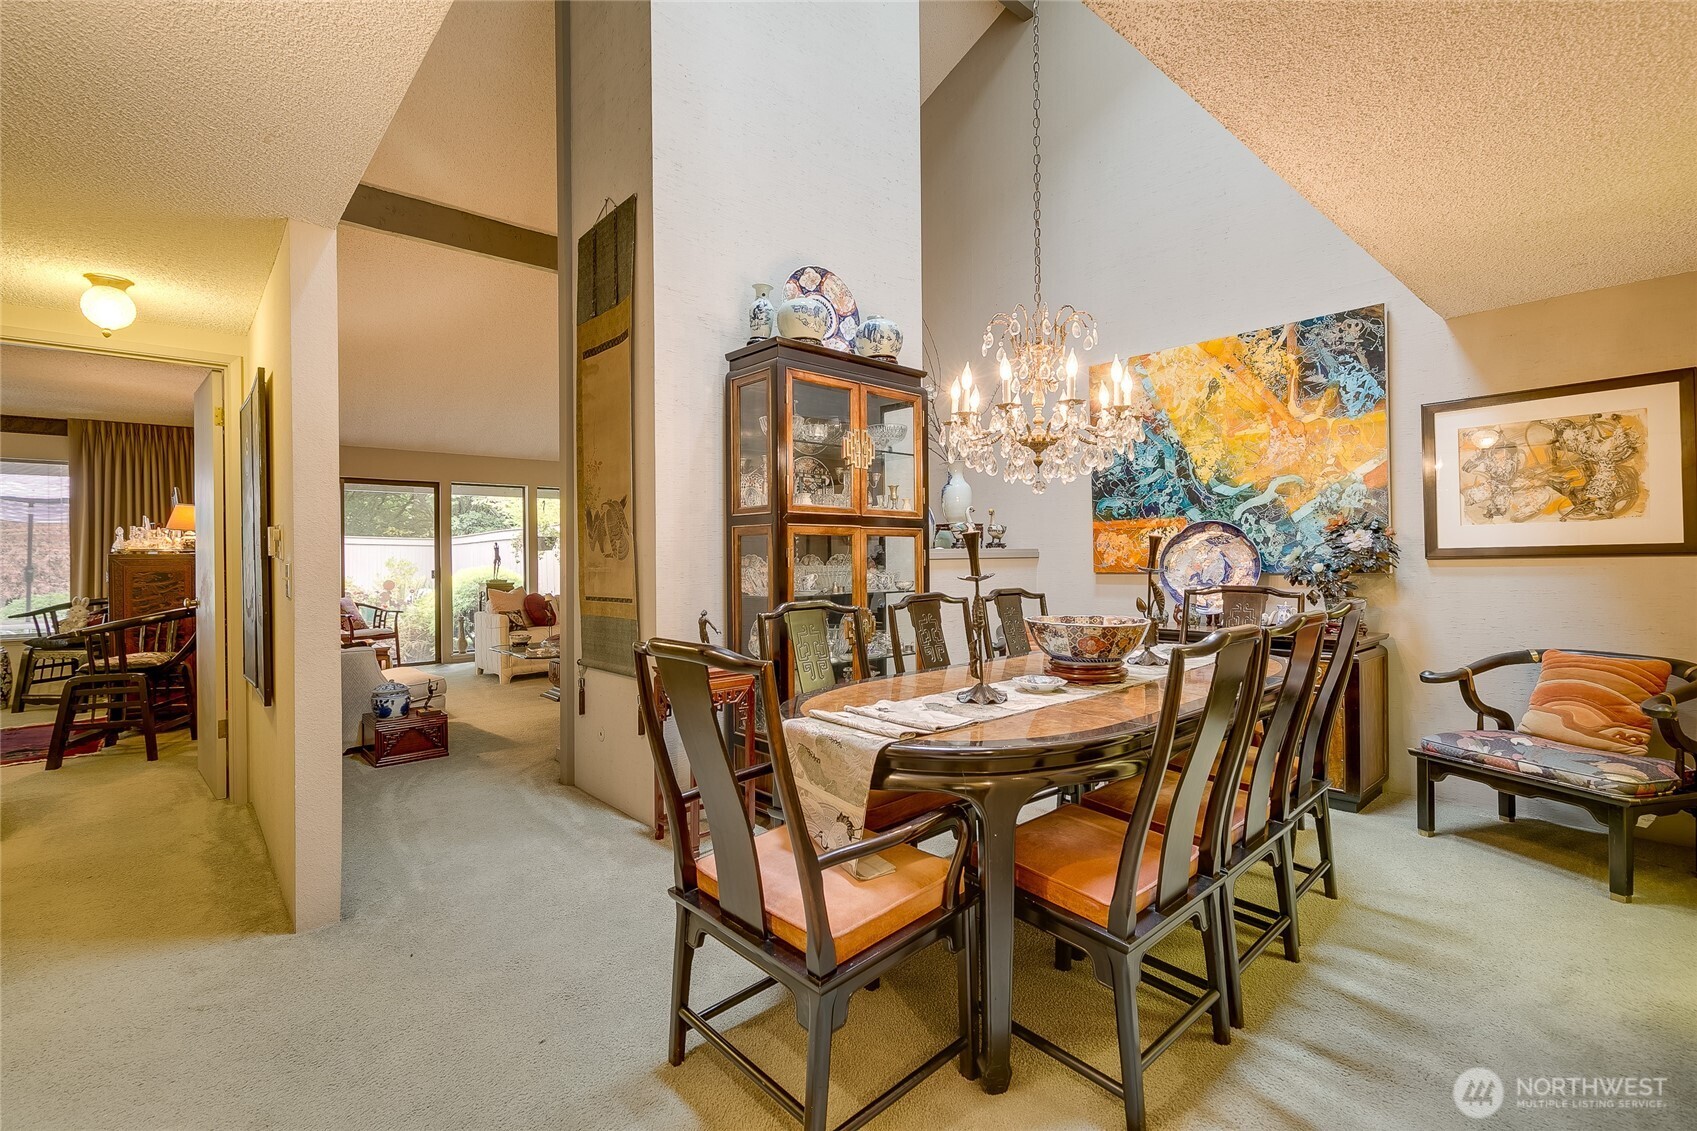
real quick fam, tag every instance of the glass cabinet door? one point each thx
(750, 430)
(823, 416)
(894, 481)
(754, 588)
(891, 573)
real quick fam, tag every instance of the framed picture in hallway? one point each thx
(1596, 468)
(257, 666)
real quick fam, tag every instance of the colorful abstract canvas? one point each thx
(1277, 431)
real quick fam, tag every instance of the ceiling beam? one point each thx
(1020, 9)
(417, 219)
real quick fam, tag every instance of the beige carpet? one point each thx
(505, 957)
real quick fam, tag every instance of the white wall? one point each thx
(742, 178)
(1165, 227)
(293, 746)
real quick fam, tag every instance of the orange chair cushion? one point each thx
(887, 808)
(862, 912)
(1118, 799)
(1071, 858)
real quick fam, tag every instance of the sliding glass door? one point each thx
(548, 547)
(389, 558)
(486, 526)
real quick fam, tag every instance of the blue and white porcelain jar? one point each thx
(390, 700)
(762, 315)
(806, 318)
(878, 338)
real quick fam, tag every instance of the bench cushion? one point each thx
(1630, 775)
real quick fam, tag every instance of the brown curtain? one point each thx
(120, 472)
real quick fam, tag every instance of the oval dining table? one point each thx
(998, 767)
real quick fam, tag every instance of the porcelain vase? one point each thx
(806, 318)
(390, 700)
(762, 315)
(957, 496)
(878, 338)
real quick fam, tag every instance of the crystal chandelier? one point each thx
(1038, 428)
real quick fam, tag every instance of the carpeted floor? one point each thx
(504, 962)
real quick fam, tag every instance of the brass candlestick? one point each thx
(979, 645)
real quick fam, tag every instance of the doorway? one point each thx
(389, 558)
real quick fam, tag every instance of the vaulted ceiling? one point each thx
(443, 350)
(167, 141)
(1488, 153)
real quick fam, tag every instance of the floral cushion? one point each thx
(1633, 775)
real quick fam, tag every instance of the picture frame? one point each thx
(258, 667)
(1591, 469)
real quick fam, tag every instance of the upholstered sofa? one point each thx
(494, 629)
(361, 675)
(1626, 759)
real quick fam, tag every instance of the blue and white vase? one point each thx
(390, 700)
(806, 318)
(762, 315)
(878, 338)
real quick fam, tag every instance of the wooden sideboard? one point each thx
(147, 583)
(1359, 759)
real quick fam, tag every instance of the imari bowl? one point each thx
(1102, 640)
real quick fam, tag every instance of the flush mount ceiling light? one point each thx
(106, 305)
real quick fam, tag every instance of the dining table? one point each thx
(999, 767)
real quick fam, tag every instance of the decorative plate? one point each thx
(845, 315)
(1039, 684)
(1205, 554)
(811, 475)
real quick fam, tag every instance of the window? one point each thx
(548, 540)
(389, 557)
(35, 537)
(486, 525)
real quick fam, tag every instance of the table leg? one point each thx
(998, 809)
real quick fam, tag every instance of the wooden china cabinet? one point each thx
(825, 487)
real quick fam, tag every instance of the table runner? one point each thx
(834, 753)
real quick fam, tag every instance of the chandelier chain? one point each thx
(1036, 168)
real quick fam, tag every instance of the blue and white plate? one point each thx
(1206, 554)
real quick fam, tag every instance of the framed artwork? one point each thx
(257, 664)
(1601, 467)
(1276, 431)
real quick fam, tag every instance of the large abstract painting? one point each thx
(1277, 431)
(606, 375)
(1605, 467)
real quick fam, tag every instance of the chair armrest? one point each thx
(1470, 692)
(909, 831)
(1664, 708)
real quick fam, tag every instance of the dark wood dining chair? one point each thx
(925, 614)
(772, 898)
(1239, 604)
(806, 627)
(1010, 613)
(42, 663)
(137, 674)
(1309, 786)
(1116, 889)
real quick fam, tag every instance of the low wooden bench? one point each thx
(1616, 789)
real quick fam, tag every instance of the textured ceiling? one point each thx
(166, 141)
(443, 351)
(476, 130)
(947, 31)
(1486, 153)
(72, 384)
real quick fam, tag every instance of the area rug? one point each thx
(29, 744)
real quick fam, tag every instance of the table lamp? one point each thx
(182, 516)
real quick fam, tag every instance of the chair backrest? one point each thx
(680, 669)
(1280, 749)
(1322, 717)
(930, 646)
(1239, 604)
(168, 630)
(1223, 728)
(806, 627)
(1010, 611)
